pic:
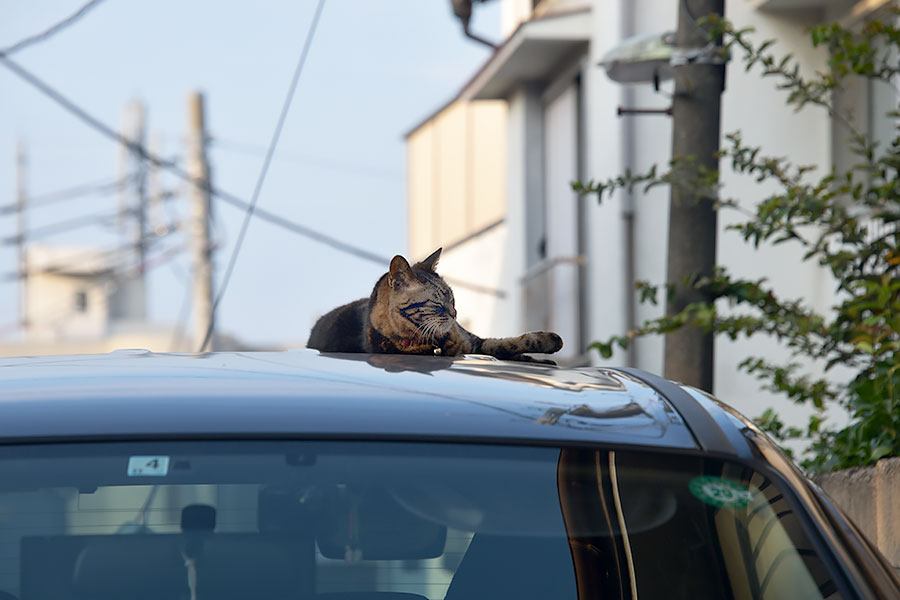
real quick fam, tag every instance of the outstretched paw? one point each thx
(548, 342)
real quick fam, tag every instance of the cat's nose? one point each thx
(452, 312)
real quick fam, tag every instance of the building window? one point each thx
(81, 302)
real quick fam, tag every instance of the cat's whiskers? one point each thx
(429, 331)
(435, 329)
(420, 331)
(423, 333)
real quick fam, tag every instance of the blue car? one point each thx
(300, 475)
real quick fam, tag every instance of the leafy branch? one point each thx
(845, 221)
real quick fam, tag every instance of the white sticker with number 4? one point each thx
(148, 466)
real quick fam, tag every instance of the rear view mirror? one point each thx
(369, 524)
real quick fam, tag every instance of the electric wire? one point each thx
(223, 195)
(67, 225)
(62, 310)
(39, 37)
(84, 256)
(328, 163)
(79, 191)
(93, 122)
(173, 168)
(298, 70)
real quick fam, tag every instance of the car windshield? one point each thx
(393, 521)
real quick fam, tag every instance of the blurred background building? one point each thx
(92, 298)
(569, 264)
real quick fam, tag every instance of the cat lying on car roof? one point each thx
(411, 311)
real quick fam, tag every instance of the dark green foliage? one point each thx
(845, 221)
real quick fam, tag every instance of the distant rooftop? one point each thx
(70, 260)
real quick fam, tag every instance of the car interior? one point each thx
(393, 521)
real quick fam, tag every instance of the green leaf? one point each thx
(844, 222)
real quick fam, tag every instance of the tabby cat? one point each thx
(411, 311)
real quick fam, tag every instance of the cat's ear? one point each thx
(431, 262)
(401, 273)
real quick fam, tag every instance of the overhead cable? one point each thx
(273, 143)
(328, 163)
(81, 114)
(38, 37)
(67, 225)
(89, 256)
(87, 189)
(61, 310)
(221, 194)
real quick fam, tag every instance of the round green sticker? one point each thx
(721, 492)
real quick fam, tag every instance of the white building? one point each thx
(77, 293)
(490, 173)
(80, 300)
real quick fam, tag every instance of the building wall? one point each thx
(616, 143)
(650, 143)
(514, 12)
(457, 175)
(482, 261)
(605, 249)
(458, 200)
(611, 145)
(868, 495)
(158, 340)
(51, 307)
(753, 106)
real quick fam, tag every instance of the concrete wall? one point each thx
(52, 311)
(514, 12)
(482, 261)
(604, 225)
(457, 174)
(869, 497)
(750, 104)
(612, 144)
(754, 106)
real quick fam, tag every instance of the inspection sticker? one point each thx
(148, 466)
(721, 492)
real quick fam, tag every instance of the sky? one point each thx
(375, 70)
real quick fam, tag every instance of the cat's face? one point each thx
(421, 303)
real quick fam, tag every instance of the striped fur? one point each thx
(412, 311)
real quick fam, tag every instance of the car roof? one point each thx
(304, 393)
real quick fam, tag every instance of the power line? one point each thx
(61, 310)
(38, 37)
(219, 193)
(83, 257)
(87, 189)
(67, 225)
(307, 44)
(308, 159)
(81, 114)
(173, 168)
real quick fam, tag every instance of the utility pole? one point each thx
(132, 304)
(21, 197)
(699, 74)
(198, 169)
(155, 216)
(133, 190)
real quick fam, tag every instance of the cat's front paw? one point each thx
(548, 342)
